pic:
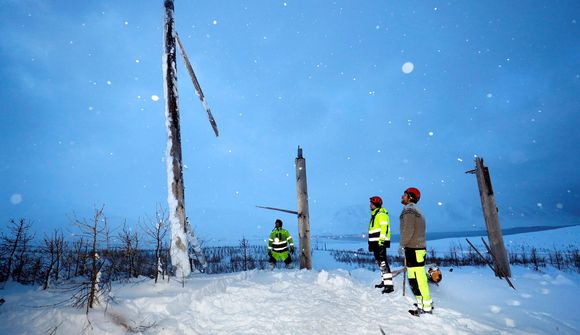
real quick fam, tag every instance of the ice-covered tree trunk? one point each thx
(175, 197)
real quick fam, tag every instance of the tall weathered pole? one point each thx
(175, 198)
(303, 214)
(490, 213)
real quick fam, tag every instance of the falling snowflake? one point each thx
(155, 97)
(408, 67)
(16, 198)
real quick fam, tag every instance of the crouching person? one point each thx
(280, 246)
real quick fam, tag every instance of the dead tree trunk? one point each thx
(490, 213)
(303, 213)
(176, 199)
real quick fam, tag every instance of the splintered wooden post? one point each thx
(501, 260)
(178, 249)
(303, 214)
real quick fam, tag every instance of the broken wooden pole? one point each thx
(279, 209)
(179, 248)
(303, 213)
(490, 213)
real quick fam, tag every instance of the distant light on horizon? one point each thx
(408, 67)
(16, 198)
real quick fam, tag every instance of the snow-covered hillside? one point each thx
(326, 300)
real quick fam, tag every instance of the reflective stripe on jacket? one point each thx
(280, 240)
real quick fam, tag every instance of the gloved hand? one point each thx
(292, 250)
(402, 251)
(381, 243)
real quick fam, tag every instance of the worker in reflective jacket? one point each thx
(280, 245)
(379, 241)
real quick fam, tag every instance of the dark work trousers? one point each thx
(381, 259)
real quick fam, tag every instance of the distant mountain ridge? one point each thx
(443, 219)
(452, 234)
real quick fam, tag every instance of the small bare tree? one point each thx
(15, 246)
(158, 230)
(53, 249)
(88, 292)
(244, 245)
(130, 247)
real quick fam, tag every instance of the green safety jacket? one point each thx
(379, 229)
(280, 243)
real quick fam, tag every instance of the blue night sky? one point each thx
(81, 125)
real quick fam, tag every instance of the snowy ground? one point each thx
(469, 300)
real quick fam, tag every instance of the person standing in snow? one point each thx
(280, 245)
(379, 240)
(413, 247)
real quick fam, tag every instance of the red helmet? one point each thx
(377, 201)
(413, 193)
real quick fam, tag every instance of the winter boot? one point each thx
(417, 306)
(380, 285)
(388, 289)
(419, 311)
